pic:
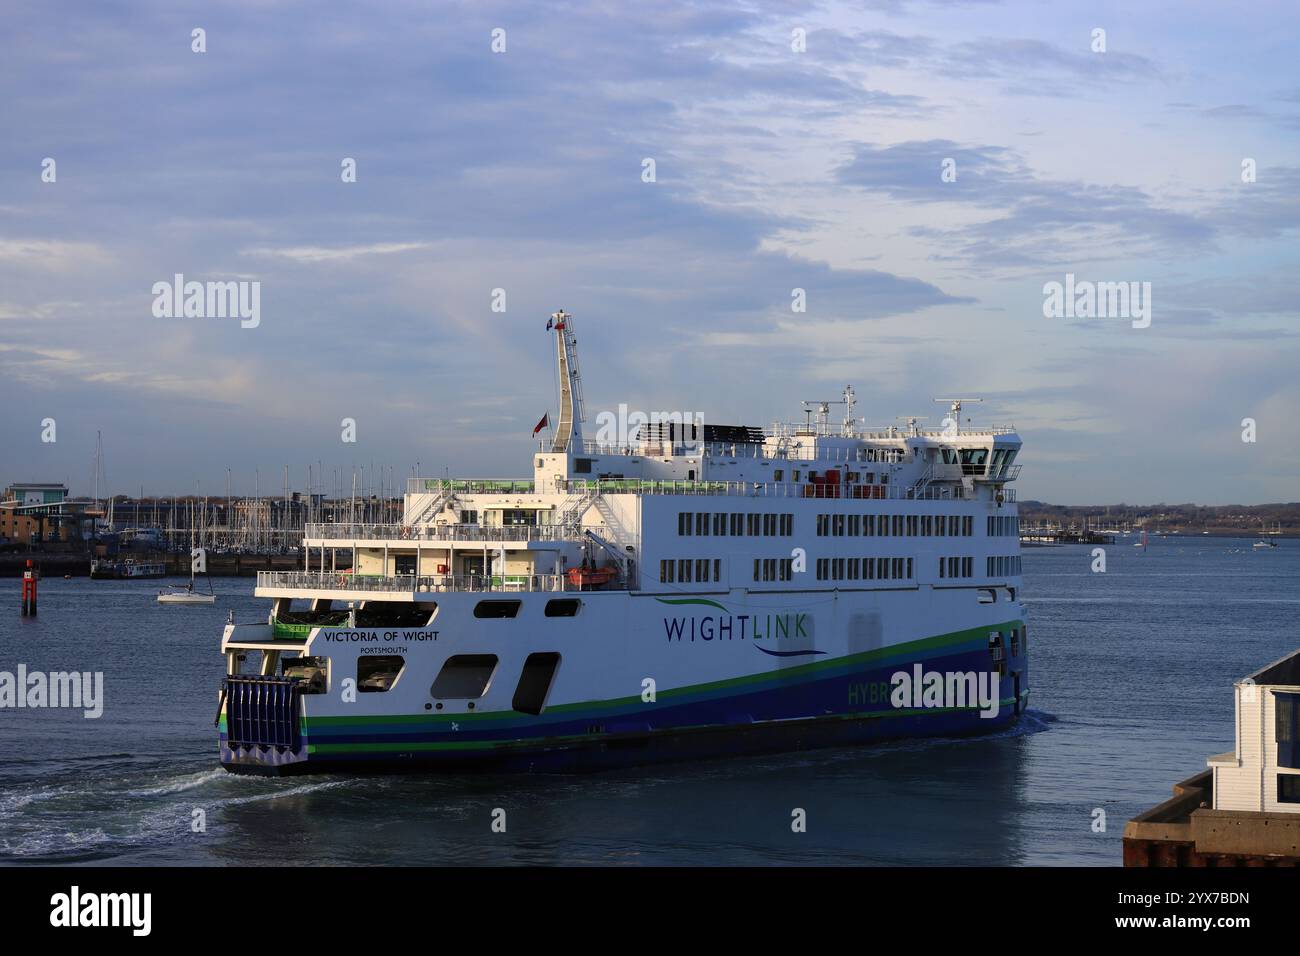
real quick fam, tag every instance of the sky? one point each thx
(794, 146)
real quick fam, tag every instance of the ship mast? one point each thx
(569, 428)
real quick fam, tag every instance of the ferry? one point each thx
(679, 591)
(130, 568)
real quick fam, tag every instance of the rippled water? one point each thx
(1131, 675)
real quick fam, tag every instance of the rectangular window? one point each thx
(838, 569)
(1288, 788)
(898, 526)
(684, 570)
(464, 676)
(769, 525)
(758, 568)
(823, 523)
(701, 569)
(664, 575)
(702, 522)
(535, 682)
(377, 674)
(737, 524)
(909, 569)
(838, 526)
(882, 526)
(787, 525)
(913, 525)
(751, 524)
(778, 474)
(683, 523)
(717, 569)
(720, 524)
(1286, 716)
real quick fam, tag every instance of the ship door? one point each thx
(474, 565)
(1015, 684)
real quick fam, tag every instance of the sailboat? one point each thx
(178, 594)
(1143, 542)
(1263, 544)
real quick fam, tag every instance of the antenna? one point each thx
(954, 407)
(824, 409)
(912, 421)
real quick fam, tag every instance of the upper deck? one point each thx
(608, 505)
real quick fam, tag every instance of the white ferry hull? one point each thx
(732, 673)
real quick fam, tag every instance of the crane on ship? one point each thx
(569, 428)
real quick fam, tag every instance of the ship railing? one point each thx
(881, 432)
(345, 531)
(769, 489)
(470, 486)
(412, 583)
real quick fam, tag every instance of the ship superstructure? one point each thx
(688, 589)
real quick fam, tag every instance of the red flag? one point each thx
(546, 419)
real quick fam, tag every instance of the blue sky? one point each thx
(522, 170)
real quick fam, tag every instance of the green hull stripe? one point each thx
(789, 675)
(533, 743)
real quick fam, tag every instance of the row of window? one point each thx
(956, 567)
(773, 569)
(709, 570)
(864, 569)
(898, 526)
(736, 524)
(690, 570)
(1004, 525)
(1003, 567)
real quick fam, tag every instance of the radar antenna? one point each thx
(954, 408)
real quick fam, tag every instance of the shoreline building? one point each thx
(1244, 810)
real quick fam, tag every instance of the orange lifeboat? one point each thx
(588, 577)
